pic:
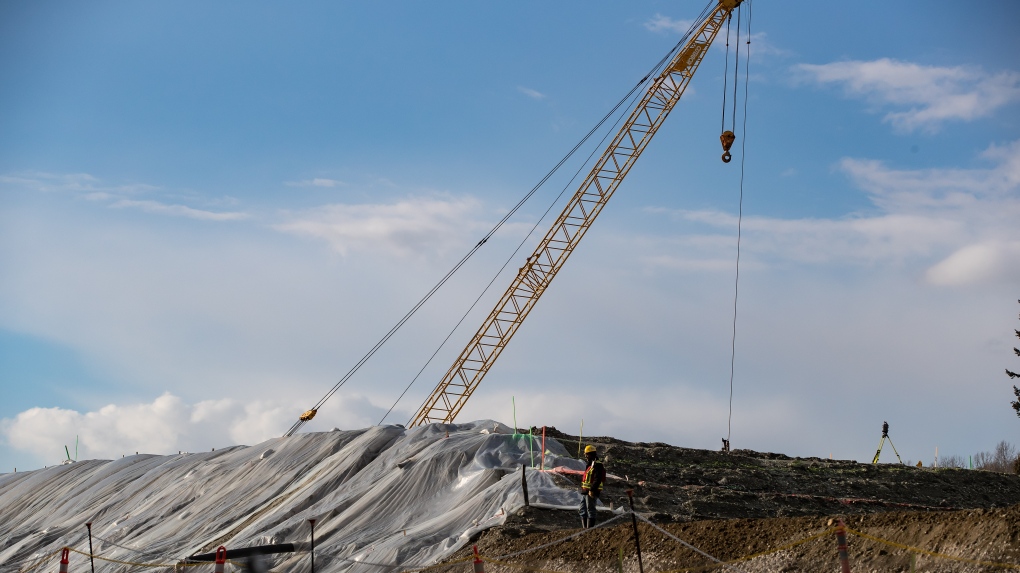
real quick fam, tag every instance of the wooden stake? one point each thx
(92, 561)
(580, 437)
(637, 541)
(311, 522)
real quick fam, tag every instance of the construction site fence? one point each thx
(47, 561)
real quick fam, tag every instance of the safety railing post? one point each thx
(64, 554)
(543, 449)
(524, 485)
(221, 559)
(311, 522)
(92, 560)
(844, 558)
(478, 563)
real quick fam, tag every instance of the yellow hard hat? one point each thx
(589, 449)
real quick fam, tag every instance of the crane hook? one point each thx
(727, 138)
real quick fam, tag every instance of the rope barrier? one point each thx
(677, 539)
(563, 539)
(38, 561)
(438, 565)
(790, 545)
(519, 566)
(138, 551)
(932, 553)
(718, 562)
(137, 564)
(499, 561)
(35, 563)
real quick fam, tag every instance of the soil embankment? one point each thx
(733, 505)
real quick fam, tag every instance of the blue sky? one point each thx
(208, 213)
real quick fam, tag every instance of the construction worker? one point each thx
(591, 486)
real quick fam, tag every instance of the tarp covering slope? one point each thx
(384, 498)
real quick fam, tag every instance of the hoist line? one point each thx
(632, 95)
(726, 74)
(740, 218)
(736, 73)
(493, 231)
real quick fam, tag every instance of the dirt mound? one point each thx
(738, 504)
(684, 484)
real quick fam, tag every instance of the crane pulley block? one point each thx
(727, 138)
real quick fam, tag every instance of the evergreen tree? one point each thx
(1016, 391)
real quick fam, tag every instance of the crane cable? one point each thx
(357, 366)
(495, 276)
(389, 334)
(740, 209)
(632, 96)
(726, 74)
(508, 260)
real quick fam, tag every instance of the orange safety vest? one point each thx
(586, 483)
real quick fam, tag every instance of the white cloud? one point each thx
(957, 221)
(660, 23)
(416, 225)
(156, 207)
(923, 97)
(169, 424)
(762, 46)
(995, 261)
(317, 182)
(533, 94)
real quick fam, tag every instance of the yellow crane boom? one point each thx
(463, 377)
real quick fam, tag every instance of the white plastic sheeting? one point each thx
(384, 499)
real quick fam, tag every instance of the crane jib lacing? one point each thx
(580, 212)
(309, 414)
(534, 277)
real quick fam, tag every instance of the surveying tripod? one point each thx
(885, 436)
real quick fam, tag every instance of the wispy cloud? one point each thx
(70, 182)
(533, 94)
(660, 23)
(922, 97)
(317, 182)
(415, 225)
(958, 223)
(760, 43)
(156, 207)
(116, 196)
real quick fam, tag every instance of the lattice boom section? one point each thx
(580, 212)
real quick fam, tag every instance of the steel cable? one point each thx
(740, 219)
(495, 228)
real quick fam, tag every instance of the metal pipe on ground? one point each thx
(243, 552)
